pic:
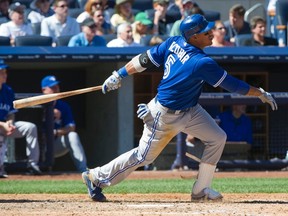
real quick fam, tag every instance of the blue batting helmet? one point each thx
(194, 24)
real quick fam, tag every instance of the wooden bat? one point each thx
(41, 99)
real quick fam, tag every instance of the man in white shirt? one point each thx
(15, 27)
(59, 24)
(124, 37)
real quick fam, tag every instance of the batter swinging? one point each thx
(175, 108)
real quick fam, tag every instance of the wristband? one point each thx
(122, 72)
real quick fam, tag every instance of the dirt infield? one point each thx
(145, 204)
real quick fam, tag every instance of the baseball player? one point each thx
(15, 129)
(66, 139)
(175, 108)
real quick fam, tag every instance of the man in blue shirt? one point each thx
(88, 36)
(175, 108)
(236, 124)
(66, 138)
(15, 129)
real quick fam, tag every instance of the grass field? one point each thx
(225, 185)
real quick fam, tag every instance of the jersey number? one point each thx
(169, 62)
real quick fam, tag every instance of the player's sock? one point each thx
(204, 179)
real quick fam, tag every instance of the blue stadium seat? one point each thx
(145, 41)
(63, 40)
(142, 5)
(4, 41)
(36, 28)
(243, 40)
(33, 40)
(212, 15)
(109, 37)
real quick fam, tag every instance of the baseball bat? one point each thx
(41, 99)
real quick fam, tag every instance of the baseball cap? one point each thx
(194, 24)
(186, 1)
(142, 17)
(89, 22)
(49, 81)
(17, 7)
(3, 65)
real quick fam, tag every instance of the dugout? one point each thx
(107, 124)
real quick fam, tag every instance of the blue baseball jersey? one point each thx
(66, 115)
(6, 102)
(237, 129)
(186, 69)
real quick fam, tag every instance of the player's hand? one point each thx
(111, 83)
(142, 111)
(266, 97)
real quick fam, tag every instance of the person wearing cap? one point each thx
(39, 10)
(141, 26)
(17, 26)
(15, 129)
(175, 108)
(123, 13)
(66, 139)
(60, 23)
(88, 36)
(124, 37)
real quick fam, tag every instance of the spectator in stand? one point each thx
(15, 27)
(123, 13)
(124, 37)
(258, 29)
(4, 7)
(102, 27)
(15, 129)
(236, 24)
(59, 24)
(187, 7)
(90, 7)
(219, 33)
(88, 35)
(236, 124)
(174, 10)
(159, 19)
(141, 27)
(40, 10)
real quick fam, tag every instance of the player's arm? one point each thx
(233, 84)
(138, 64)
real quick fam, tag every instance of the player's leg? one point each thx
(180, 161)
(29, 131)
(204, 127)
(156, 135)
(76, 150)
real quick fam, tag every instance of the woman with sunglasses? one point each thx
(90, 7)
(219, 33)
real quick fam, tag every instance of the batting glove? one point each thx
(111, 83)
(142, 111)
(266, 97)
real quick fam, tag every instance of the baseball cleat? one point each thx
(207, 195)
(94, 192)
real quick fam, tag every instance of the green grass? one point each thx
(224, 185)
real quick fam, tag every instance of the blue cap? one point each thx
(3, 65)
(195, 24)
(49, 81)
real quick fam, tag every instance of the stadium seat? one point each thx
(142, 5)
(145, 41)
(75, 12)
(63, 40)
(212, 15)
(4, 41)
(282, 21)
(36, 28)
(243, 40)
(109, 37)
(33, 40)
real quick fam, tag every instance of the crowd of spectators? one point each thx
(57, 18)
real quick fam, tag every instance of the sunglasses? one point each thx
(63, 6)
